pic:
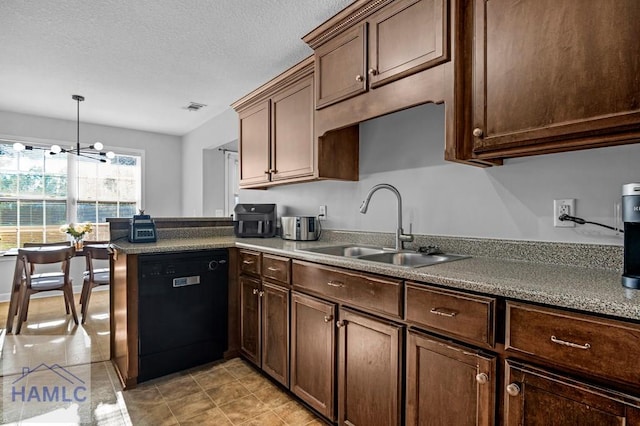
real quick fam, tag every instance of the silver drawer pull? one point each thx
(439, 311)
(272, 269)
(255, 291)
(328, 318)
(248, 262)
(335, 283)
(586, 346)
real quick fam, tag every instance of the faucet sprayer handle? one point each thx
(430, 250)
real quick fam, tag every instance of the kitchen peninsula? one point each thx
(553, 324)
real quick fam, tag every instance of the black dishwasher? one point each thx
(182, 310)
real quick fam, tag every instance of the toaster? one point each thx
(300, 228)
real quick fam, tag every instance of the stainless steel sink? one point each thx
(347, 250)
(378, 254)
(412, 259)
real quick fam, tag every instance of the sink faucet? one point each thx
(401, 237)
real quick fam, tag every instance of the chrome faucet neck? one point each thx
(400, 236)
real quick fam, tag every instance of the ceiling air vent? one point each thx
(194, 106)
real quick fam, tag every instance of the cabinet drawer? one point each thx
(250, 262)
(597, 346)
(464, 315)
(355, 289)
(276, 268)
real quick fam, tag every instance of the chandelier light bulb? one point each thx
(18, 147)
(55, 149)
(98, 146)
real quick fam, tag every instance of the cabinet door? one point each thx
(292, 148)
(254, 144)
(407, 37)
(341, 67)
(536, 397)
(313, 352)
(370, 364)
(250, 318)
(275, 332)
(554, 75)
(448, 384)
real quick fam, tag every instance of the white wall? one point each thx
(215, 132)
(162, 167)
(513, 201)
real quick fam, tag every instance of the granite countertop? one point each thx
(585, 289)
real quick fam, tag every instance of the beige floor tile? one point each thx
(294, 414)
(239, 370)
(243, 409)
(214, 379)
(178, 387)
(267, 419)
(214, 416)
(191, 405)
(272, 396)
(228, 392)
(254, 381)
(155, 415)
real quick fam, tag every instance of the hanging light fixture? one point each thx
(93, 151)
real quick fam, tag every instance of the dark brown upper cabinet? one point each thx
(372, 43)
(554, 76)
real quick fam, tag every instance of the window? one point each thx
(38, 193)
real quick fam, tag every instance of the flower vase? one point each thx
(78, 244)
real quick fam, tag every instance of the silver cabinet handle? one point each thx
(335, 283)
(586, 346)
(359, 78)
(482, 378)
(328, 318)
(477, 132)
(248, 262)
(255, 291)
(260, 293)
(373, 71)
(441, 312)
(340, 324)
(272, 269)
(513, 389)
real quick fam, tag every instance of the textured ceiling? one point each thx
(140, 62)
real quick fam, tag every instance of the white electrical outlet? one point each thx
(566, 206)
(322, 212)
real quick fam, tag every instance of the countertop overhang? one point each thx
(588, 290)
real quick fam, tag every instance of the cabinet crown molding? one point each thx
(299, 71)
(347, 18)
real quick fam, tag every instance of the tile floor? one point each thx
(222, 393)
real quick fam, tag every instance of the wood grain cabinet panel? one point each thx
(467, 316)
(448, 384)
(276, 268)
(595, 346)
(250, 262)
(250, 319)
(537, 397)
(292, 148)
(407, 37)
(370, 367)
(313, 358)
(275, 331)
(554, 75)
(341, 67)
(254, 144)
(377, 294)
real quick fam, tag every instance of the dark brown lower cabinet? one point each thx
(370, 370)
(313, 359)
(275, 331)
(448, 384)
(538, 397)
(250, 318)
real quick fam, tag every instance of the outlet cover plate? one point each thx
(566, 205)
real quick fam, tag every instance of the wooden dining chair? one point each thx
(47, 281)
(33, 271)
(93, 277)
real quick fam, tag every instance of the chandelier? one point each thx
(93, 151)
